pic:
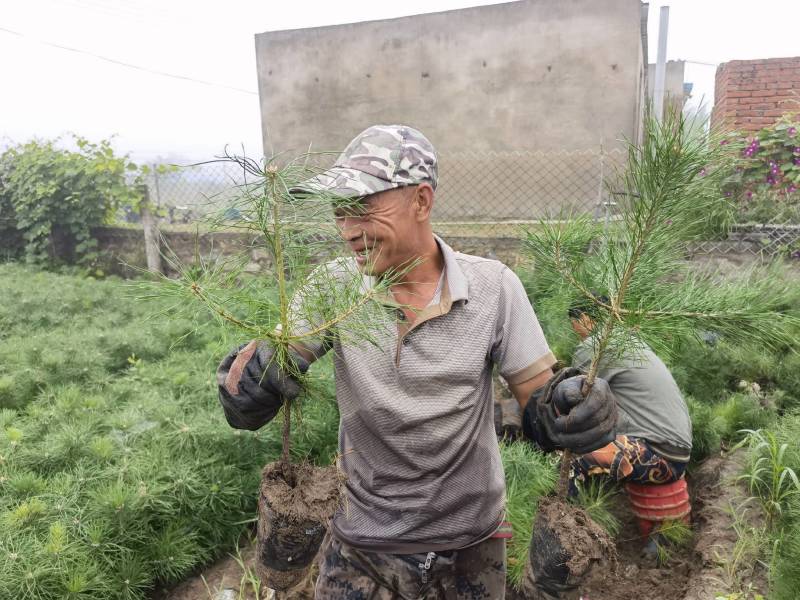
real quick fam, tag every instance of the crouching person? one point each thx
(654, 431)
(653, 439)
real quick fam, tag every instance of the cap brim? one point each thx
(340, 182)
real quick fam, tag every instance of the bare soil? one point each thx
(295, 505)
(706, 568)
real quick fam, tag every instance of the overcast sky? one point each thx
(48, 90)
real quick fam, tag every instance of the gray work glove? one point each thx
(252, 387)
(559, 416)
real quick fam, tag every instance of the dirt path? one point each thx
(711, 565)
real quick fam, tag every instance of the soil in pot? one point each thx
(295, 505)
(567, 548)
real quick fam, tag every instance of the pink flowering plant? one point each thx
(769, 166)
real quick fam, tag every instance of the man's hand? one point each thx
(560, 417)
(251, 386)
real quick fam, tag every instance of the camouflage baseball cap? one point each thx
(380, 158)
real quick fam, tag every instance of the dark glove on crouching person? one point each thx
(252, 387)
(559, 417)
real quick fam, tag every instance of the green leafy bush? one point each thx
(53, 196)
(766, 178)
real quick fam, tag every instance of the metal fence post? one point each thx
(155, 181)
(151, 249)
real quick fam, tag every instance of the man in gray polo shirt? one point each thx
(425, 488)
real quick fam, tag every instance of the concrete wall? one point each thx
(541, 75)
(674, 94)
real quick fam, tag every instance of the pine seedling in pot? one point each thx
(630, 281)
(314, 294)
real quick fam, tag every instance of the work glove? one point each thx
(252, 387)
(559, 417)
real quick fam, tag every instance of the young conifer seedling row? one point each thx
(318, 294)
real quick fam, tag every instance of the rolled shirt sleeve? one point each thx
(520, 350)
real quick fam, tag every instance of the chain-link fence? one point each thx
(479, 193)
(185, 194)
(490, 194)
(776, 239)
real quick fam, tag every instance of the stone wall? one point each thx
(122, 249)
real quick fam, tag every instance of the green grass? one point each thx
(772, 476)
(117, 468)
(529, 475)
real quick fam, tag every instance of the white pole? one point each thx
(661, 64)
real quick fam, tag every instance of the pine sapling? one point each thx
(315, 294)
(669, 185)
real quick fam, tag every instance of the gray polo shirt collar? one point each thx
(454, 276)
(455, 280)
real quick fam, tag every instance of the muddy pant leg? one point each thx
(480, 572)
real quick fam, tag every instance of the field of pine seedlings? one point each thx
(119, 475)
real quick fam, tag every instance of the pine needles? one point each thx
(670, 184)
(530, 475)
(128, 476)
(309, 302)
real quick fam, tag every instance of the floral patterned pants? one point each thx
(625, 459)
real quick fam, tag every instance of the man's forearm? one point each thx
(522, 391)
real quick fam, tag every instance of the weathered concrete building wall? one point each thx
(535, 75)
(674, 92)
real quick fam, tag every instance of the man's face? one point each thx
(381, 229)
(583, 325)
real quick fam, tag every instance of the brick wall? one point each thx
(752, 94)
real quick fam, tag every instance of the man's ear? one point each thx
(423, 202)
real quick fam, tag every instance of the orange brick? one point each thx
(763, 93)
(759, 120)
